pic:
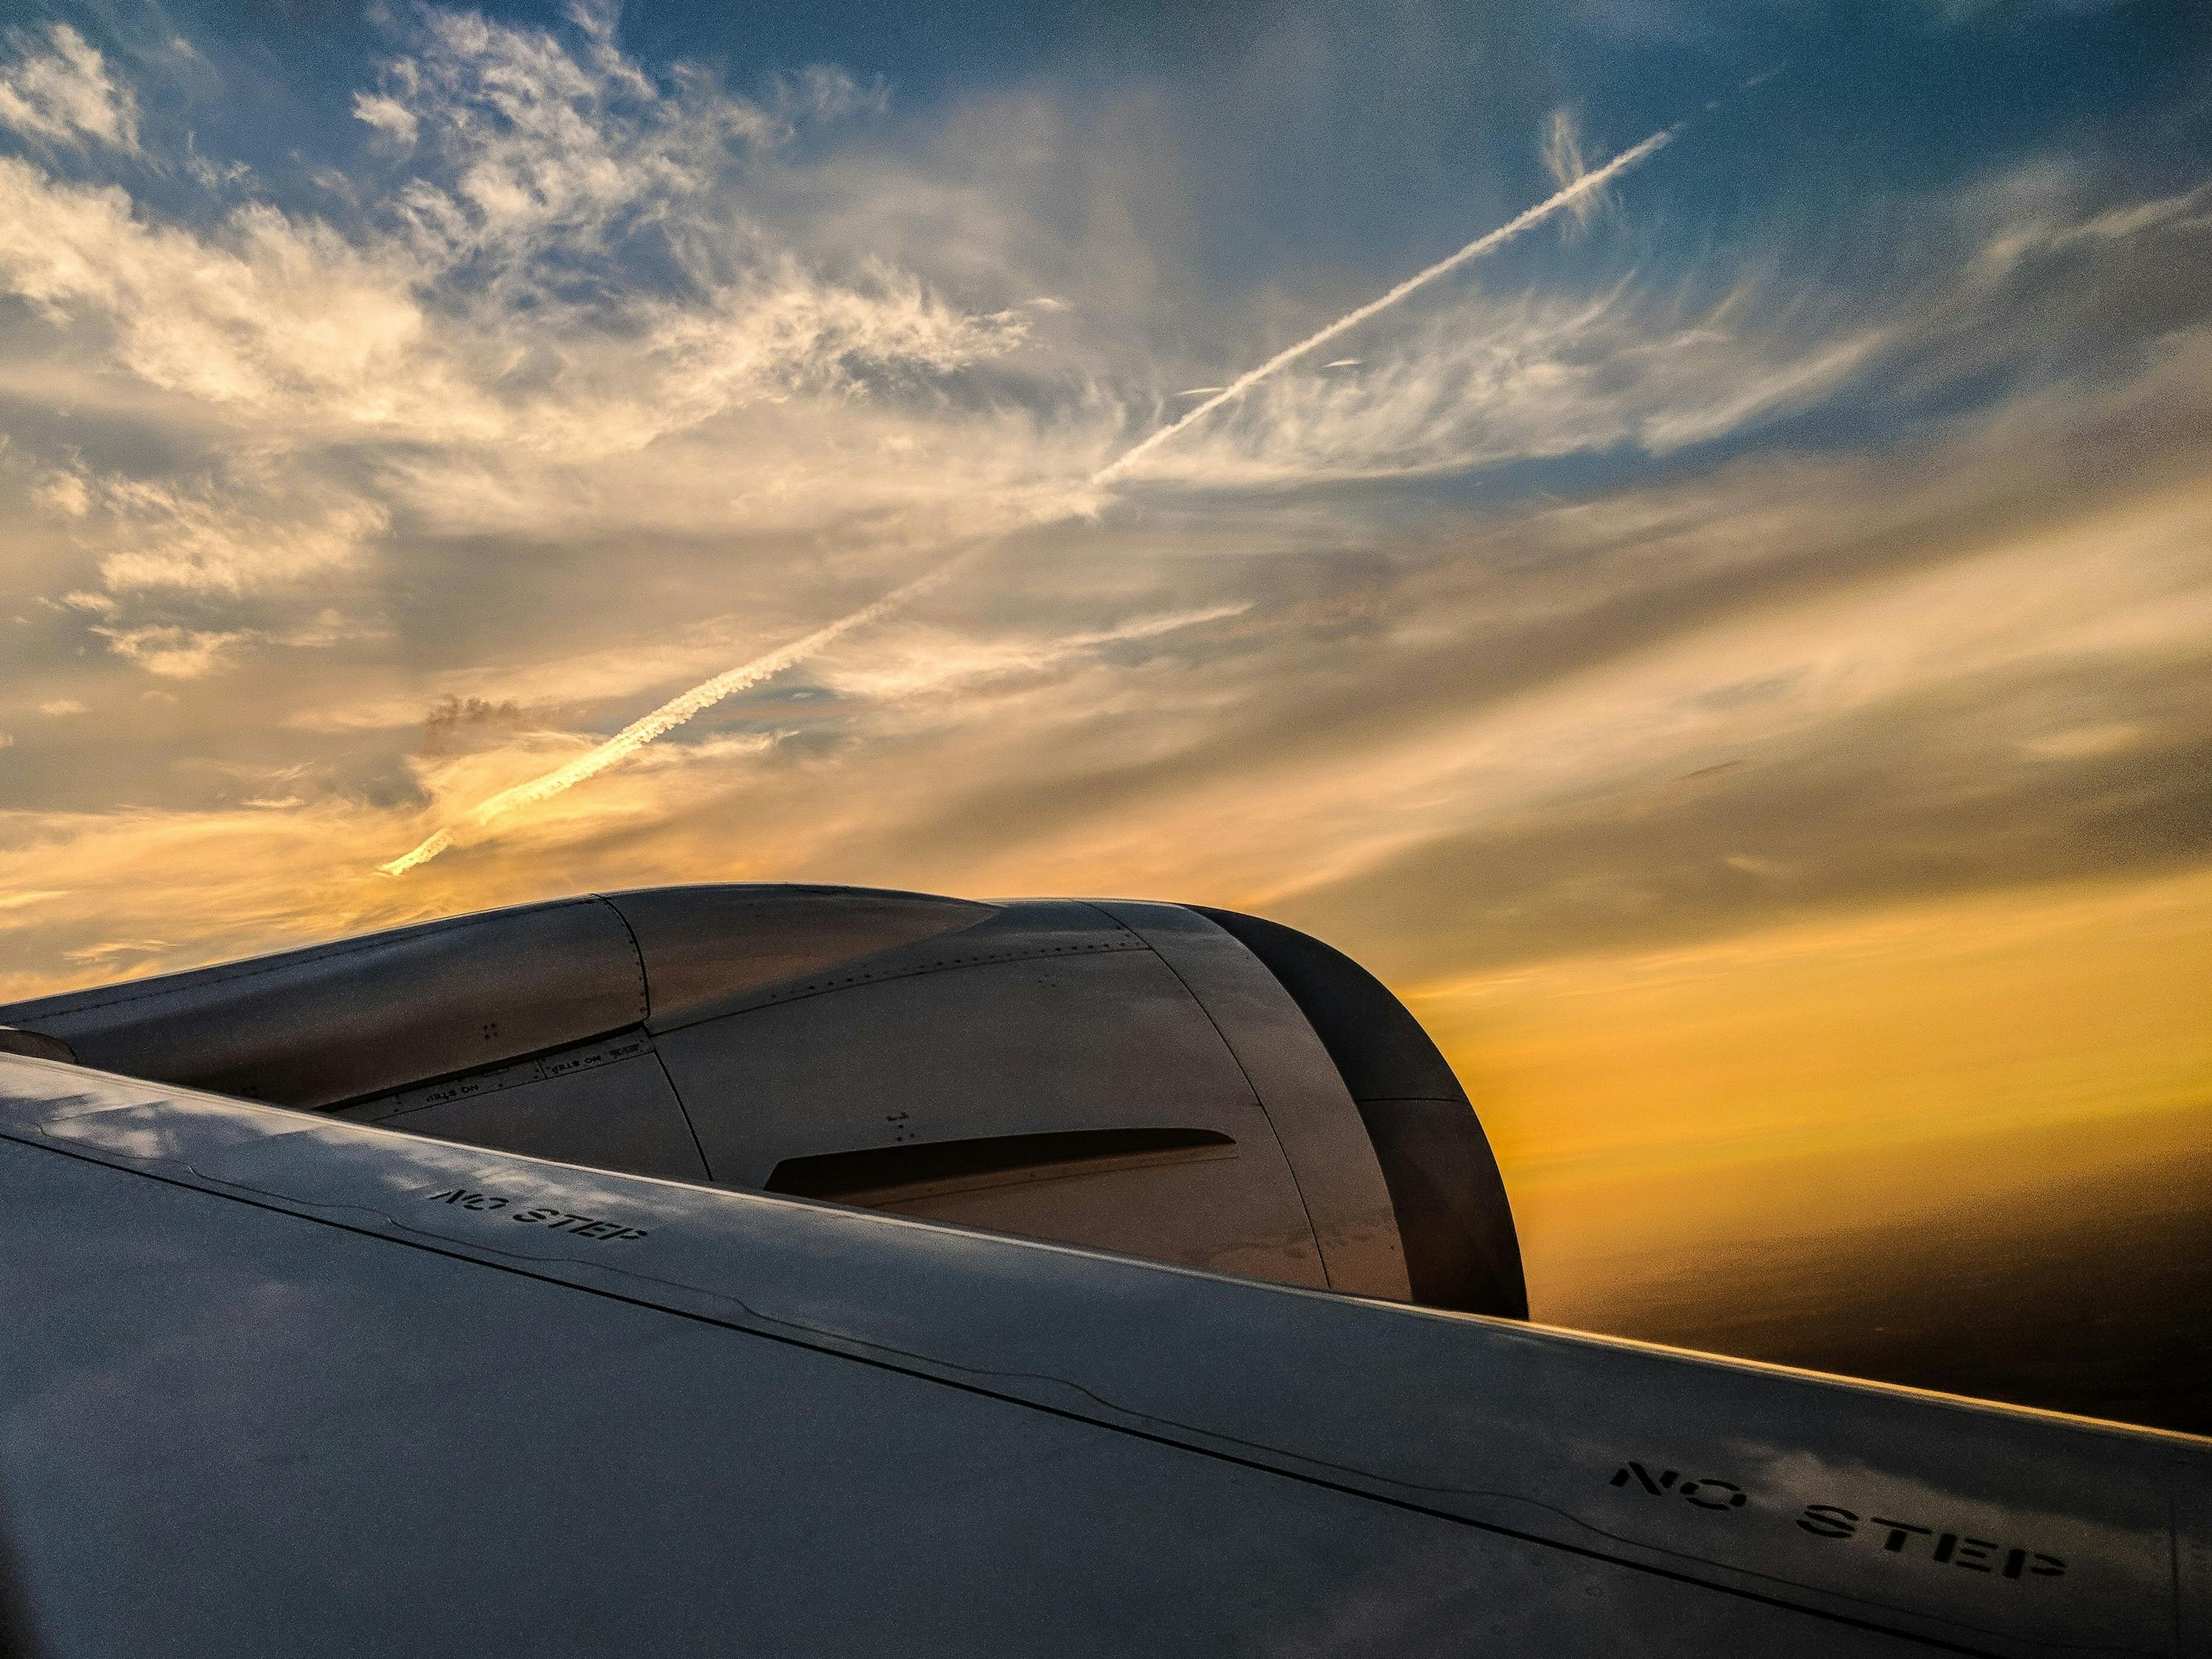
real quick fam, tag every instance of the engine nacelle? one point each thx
(1195, 1086)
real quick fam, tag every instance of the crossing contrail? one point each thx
(704, 696)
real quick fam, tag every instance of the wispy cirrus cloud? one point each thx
(58, 90)
(476, 295)
(247, 524)
(172, 652)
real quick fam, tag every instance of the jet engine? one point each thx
(1192, 1085)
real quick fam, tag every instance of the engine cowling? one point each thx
(1196, 1086)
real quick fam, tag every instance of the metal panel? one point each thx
(13, 1042)
(1306, 1100)
(1214, 1214)
(607, 1105)
(1002, 1048)
(335, 1021)
(877, 1175)
(229, 1434)
(1454, 1222)
(242, 1426)
(1064, 1037)
(1030, 930)
(699, 943)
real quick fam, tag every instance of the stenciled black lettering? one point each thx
(1897, 1529)
(1642, 1477)
(537, 1215)
(1972, 1554)
(1717, 1494)
(467, 1199)
(1827, 1521)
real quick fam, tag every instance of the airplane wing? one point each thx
(272, 1382)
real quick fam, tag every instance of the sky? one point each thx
(1734, 655)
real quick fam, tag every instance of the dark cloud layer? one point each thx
(1975, 786)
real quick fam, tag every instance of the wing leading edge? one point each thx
(278, 1384)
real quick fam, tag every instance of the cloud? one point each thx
(2042, 211)
(1487, 382)
(1562, 153)
(823, 92)
(388, 116)
(1578, 189)
(539, 141)
(304, 334)
(62, 93)
(237, 528)
(268, 317)
(483, 294)
(458, 723)
(1477, 380)
(931, 662)
(2076, 742)
(172, 653)
(656, 723)
(58, 707)
(108, 950)
(1907, 733)
(63, 494)
(783, 329)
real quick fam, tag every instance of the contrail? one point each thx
(666, 718)
(704, 696)
(1474, 250)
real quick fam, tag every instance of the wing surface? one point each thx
(272, 1383)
